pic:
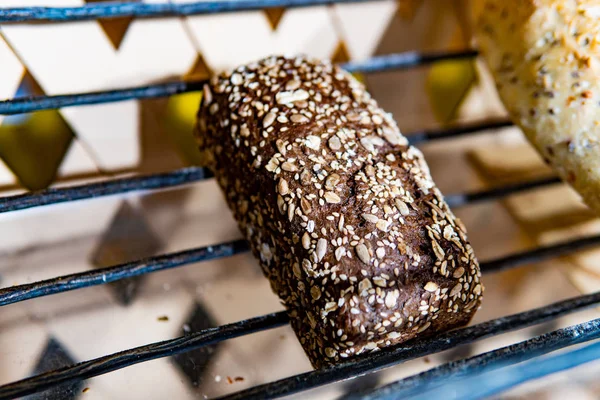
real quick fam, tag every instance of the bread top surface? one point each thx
(544, 55)
(342, 213)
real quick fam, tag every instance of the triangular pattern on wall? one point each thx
(408, 8)
(177, 125)
(129, 237)
(194, 364)
(55, 356)
(199, 70)
(341, 53)
(114, 28)
(33, 145)
(274, 16)
(449, 82)
(447, 86)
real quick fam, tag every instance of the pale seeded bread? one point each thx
(343, 216)
(544, 55)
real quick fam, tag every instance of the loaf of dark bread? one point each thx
(348, 226)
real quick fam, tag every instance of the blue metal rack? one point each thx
(118, 9)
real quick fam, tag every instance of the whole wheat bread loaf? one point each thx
(342, 214)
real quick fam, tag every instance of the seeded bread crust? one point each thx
(545, 58)
(343, 215)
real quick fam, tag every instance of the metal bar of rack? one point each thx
(478, 385)
(361, 365)
(115, 273)
(46, 197)
(308, 380)
(486, 362)
(152, 10)
(384, 63)
(195, 174)
(380, 360)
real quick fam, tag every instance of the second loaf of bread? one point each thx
(342, 214)
(545, 58)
